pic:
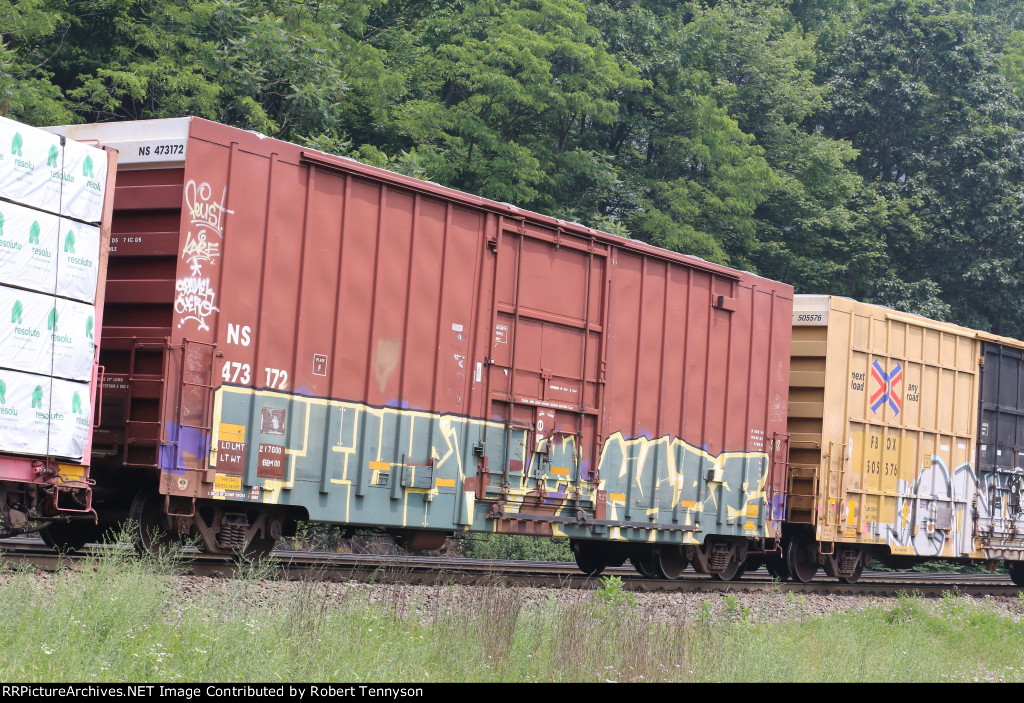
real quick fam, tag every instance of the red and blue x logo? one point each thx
(885, 393)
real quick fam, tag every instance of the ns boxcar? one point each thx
(296, 336)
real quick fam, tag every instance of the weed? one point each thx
(518, 547)
(613, 594)
(704, 614)
(267, 568)
(735, 609)
(904, 611)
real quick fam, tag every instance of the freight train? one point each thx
(292, 336)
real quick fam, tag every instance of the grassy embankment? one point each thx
(123, 619)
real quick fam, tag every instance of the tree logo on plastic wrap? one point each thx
(1, 224)
(16, 312)
(69, 242)
(87, 168)
(16, 144)
(76, 404)
(51, 157)
(33, 233)
(4, 409)
(88, 327)
(51, 320)
(37, 397)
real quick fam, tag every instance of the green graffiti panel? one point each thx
(401, 468)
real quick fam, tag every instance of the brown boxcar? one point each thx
(293, 335)
(888, 413)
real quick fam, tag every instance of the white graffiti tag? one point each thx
(206, 219)
(199, 251)
(203, 211)
(195, 300)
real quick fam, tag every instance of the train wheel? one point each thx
(69, 537)
(669, 561)
(617, 559)
(590, 558)
(777, 568)
(855, 576)
(802, 557)
(1016, 569)
(644, 562)
(753, 563)
(151, 537)
(258, 549)
(731, 572)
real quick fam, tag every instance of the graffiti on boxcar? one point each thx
(195, 294)
(1000, 508)
(667, 474)
(939, 513)
(195, 300)
(363, 450)
(198, 250)
(203, 210)
(934, 510)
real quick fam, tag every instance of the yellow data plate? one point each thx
(223, 482)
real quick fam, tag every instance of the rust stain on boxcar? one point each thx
(385, 360)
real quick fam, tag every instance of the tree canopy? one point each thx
(851, 147)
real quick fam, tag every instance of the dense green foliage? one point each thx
(852, 147)
(517, 547)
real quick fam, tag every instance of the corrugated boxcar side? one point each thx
(883, 417)
(999, 504)
(379, 350)
(697, 367)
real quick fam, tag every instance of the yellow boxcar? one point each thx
(883, 423)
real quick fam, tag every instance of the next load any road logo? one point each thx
(886, 383)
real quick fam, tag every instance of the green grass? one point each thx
(518, 547)
(120, 619)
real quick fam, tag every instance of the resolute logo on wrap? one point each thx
(90, 175)
(33, 238)
(16, 143)
(69, 248)
(76, 410)
(51, 326)
(17, 313)
(4, 408)
(7, 243)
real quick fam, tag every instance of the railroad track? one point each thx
(324, 566)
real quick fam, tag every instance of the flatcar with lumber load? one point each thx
(55, 207)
